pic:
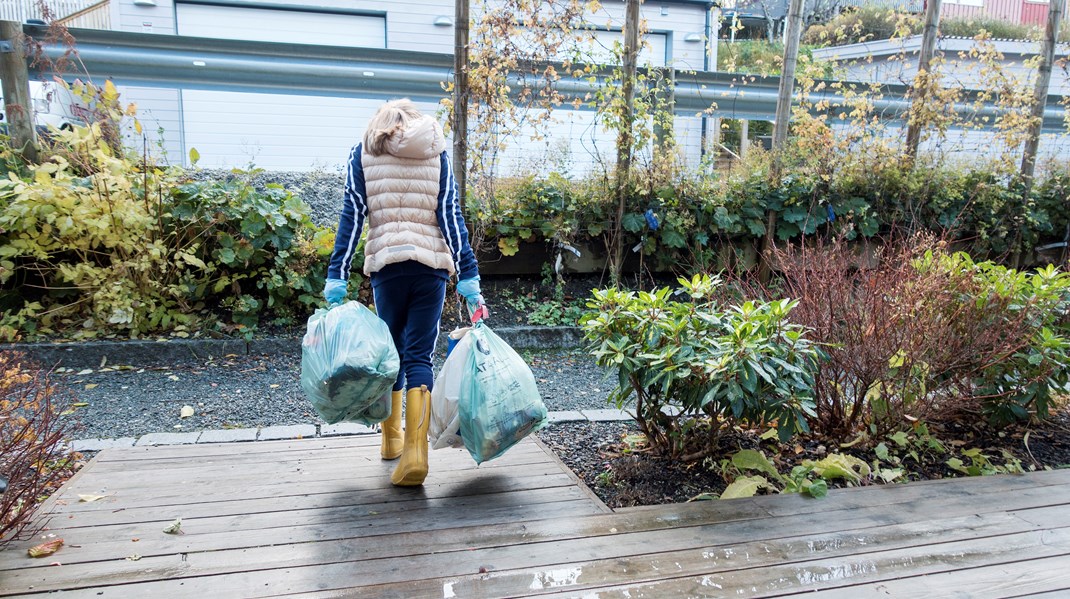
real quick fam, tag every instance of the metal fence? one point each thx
(235, 65)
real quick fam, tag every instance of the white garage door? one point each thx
(275, 131)
(273, 25)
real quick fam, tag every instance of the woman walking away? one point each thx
(400, 181)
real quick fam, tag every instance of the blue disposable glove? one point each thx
(334, 291)
(477, 307)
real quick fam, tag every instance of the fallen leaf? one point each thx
(46, 549)
(90, 386)
(274, 386)
(173, 377)
(86, 371)
(90, 498)
(133, 558)
(186, 412)
(175, 528)
(103, 361)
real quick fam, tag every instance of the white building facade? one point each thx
(296, 132)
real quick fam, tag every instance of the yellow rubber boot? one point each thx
(391, 448)
(412, 469)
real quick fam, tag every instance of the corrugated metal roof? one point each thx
(913, 43)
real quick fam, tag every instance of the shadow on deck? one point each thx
(319, 518)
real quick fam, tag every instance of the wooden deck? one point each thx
(318, 518)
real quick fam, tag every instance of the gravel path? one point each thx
(257, 391)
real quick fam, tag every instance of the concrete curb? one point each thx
(178, 352)
(299, 431)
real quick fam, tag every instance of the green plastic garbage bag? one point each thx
(348, 364)
(499, 403)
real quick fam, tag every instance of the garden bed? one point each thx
(611, 460)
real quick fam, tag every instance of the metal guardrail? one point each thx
(235, 65)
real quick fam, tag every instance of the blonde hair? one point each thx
(391, 117)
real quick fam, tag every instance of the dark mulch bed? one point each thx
(611, 460)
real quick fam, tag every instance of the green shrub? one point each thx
(691, 369)
(996, 28)
(109, 244)
(1021, 383)
(861, 24)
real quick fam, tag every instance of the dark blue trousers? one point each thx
(409, 298)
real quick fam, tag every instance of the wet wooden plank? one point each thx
(286, 516)
(538, 544)
(184, 452)
(1037, 578)
(285, 473)
(459, 482)
(765, 567)
(780, 543)
(291, 457)
(826, 574)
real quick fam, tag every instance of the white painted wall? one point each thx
(291, 132)
(267, 25)
(274, 131)
(161, 121)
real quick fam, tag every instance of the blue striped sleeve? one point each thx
(351, 223)
(451, 221)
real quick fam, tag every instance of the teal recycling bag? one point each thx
(499, 403)
(348, 364)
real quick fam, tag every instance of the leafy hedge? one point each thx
(696, 217)
(105, 244)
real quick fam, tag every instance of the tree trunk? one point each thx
(780, 126)
(1040, 100)
(625, 137)
(928, 48)
(15, 77)
(460, 104)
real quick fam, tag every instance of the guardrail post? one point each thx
(15, 78)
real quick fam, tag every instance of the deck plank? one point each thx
(318, 517)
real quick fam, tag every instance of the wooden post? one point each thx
(780, 126)
(928, 48)
(15, 77)
(744, 138)
(460, 103)
(1040, 91)
(625, 137)
(1040, 100)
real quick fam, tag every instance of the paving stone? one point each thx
(167, 439)
(274, 433)
(228, 435)
(565, 416)
(345, 428)
(606, 415)
(98, 444)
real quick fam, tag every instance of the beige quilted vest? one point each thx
(402, 188)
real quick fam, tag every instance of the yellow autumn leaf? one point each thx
(45, 549)
(110, 93)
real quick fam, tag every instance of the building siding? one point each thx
(291, 132)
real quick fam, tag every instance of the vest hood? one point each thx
(421, 139)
